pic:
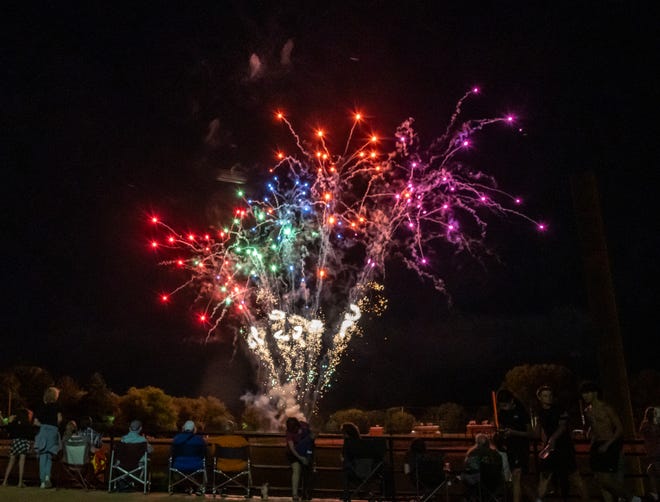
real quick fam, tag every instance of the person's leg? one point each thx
(306, 482)
(516, 479)
(652, 474)
(295, 479)
(610, 484)
(10, 466)
(45, 466)
(576, 479)
(21, 469)
(544, 481)
(346, 480)
(42, 467)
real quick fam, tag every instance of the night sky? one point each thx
(106, 118)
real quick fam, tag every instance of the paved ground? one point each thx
(14, 494)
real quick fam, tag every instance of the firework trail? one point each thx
(298, 265)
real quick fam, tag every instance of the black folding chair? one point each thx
(492, 485)
(187, 464)
(129, 467)
(484, 480)
(365, 467)
(429, 475)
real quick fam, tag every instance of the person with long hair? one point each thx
(48, 418)
(21, 433)
(649, 429)
(298, 435)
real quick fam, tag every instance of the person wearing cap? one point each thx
(605, 434)
(188, 437)
(135, 435)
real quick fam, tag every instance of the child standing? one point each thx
(21, 434)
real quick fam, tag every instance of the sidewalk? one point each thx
(14, 494)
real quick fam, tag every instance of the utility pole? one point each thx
(602, 300)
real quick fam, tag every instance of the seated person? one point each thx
(72, 437)
(70, 429)
(188, 436)
(481, 453)
(135, 435)
(414, 454)
(97, 452)
(424, 468)
(349, 431)
(184, 462)
(93, 438)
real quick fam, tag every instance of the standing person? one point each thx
(515, 435)
(649, 429)
(605, 432)
(299, 441)
(47, 441)
(557, 458)
(21, 433)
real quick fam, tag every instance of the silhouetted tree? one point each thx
(209, 413)
(357, 416)
(149, 404)
(450, 417)
(33, 381)
(524, 380)
(399, 421)
(70, 396)
(9, 392)
(99, 402)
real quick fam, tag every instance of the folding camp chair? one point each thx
(76, 462)
(484, 482)
(492, 485)
(187, 464)
(429, 475)
(231, 465)
(365, 467)
(129, 467)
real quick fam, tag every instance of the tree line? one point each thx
(23, 386)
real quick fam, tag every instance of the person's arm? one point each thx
(528, 433)
(562, 428)
(292, 448)
(617, 433)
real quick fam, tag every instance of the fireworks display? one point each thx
(298, 263)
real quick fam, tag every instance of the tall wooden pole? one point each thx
(602, 301)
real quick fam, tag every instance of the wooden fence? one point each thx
(269, 465)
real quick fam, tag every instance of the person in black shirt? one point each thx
(515, 435)
(21, 433)
(557, 458)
